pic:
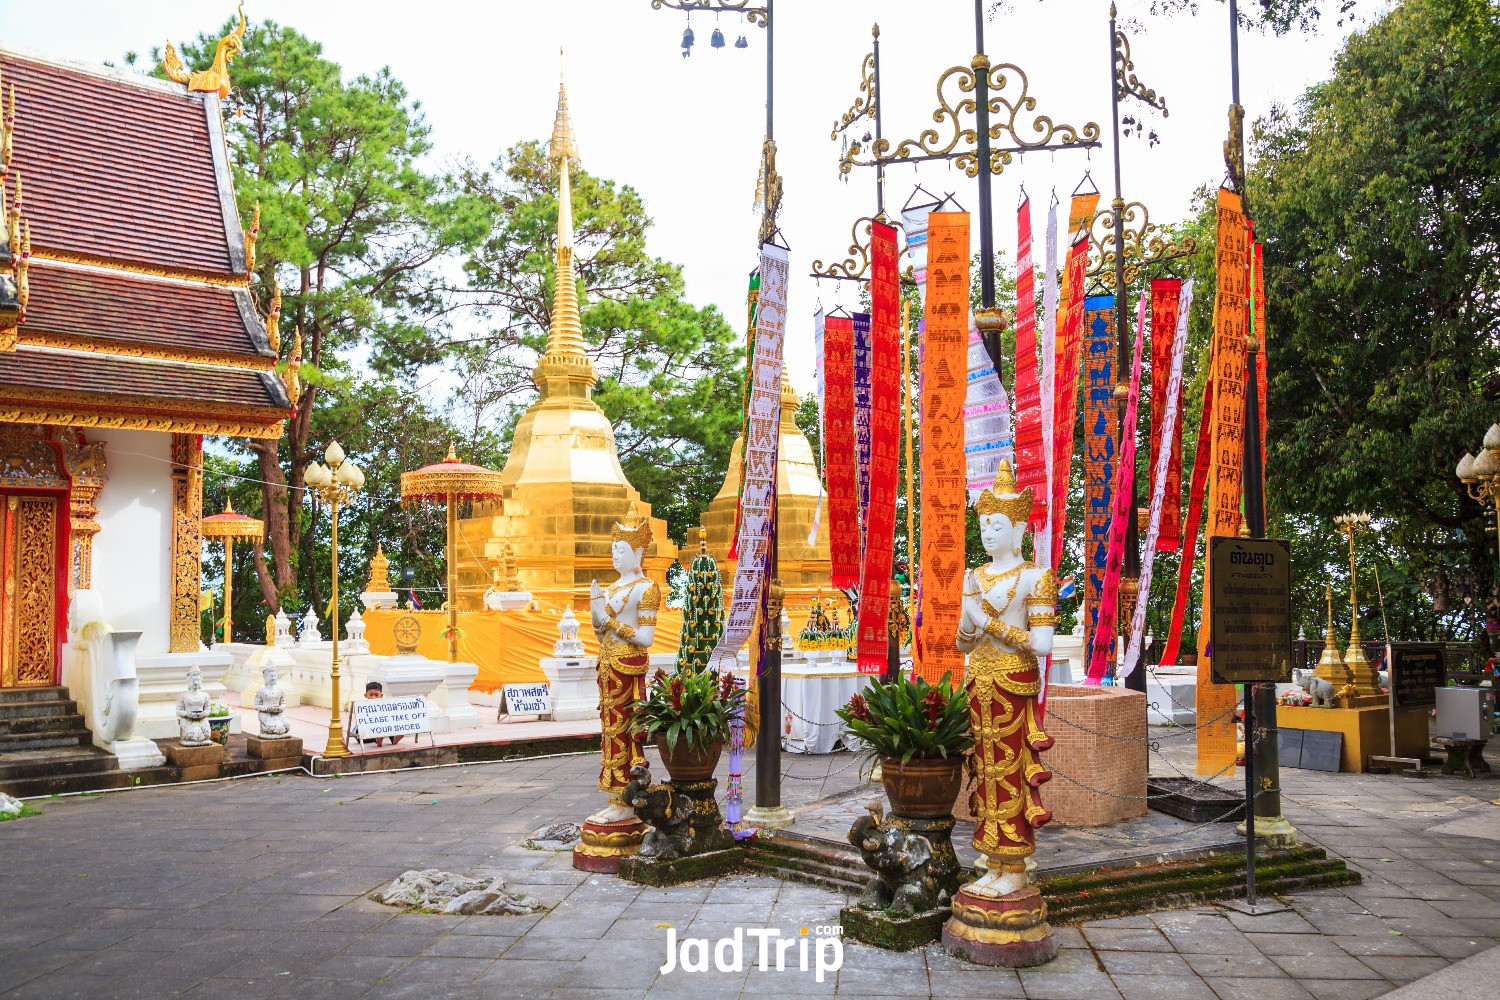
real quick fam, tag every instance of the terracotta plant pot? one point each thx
(922, 789)
(690, 763)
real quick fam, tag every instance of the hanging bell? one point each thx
(717, 41)
(741, 43)
(687, 41)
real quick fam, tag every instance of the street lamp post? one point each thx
(1481, 475)
(336, 483)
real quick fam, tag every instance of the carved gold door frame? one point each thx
(29, 529)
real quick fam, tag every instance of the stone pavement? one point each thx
(260, 888)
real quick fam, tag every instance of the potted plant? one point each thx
(218, 722)
(919, 733)
(687, 713)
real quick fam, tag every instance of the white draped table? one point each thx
(811, 692)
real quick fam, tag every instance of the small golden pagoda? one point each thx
(563, 485)
(804, 569)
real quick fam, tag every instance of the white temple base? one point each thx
(1171, 695)
(575, 687)
(378, 600)
(136, 752)
(508, 600)
(452, 696)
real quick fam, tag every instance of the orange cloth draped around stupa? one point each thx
(804, 569)
(563, 485)
(506, 645)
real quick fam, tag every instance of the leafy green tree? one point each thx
(670, 372)
(352, 228)
(1378, 198)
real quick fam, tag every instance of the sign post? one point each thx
(1415, 671)
(1250, 601)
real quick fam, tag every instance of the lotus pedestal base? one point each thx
(602, 846)
(1010, 930)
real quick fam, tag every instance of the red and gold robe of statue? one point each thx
(1004, 770)
(622, 683)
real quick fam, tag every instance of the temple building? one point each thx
(804, 569)
(564, 487)
(127, 335)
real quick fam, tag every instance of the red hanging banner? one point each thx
(885, 442)
(944, 359)
(839, 451)
(1068, 361)
(1197, 489)
(1031, 468)
(1164, 295)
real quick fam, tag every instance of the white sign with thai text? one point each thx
(528, 699)
(377, 717)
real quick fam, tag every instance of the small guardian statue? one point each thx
(192, 712)
(270, 706)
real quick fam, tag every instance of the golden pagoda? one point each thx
(804, 569)
(563, 487)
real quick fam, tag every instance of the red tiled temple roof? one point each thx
(93, 305)
(117, 169)
(139, 312)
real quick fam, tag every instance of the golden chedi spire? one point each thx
(566, 367)
(563, 485)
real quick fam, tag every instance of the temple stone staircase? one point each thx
(45, 749)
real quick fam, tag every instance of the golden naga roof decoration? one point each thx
(251, 235)
(293, 368)
(15, 239)
(273, 318)
(450, 479)
(215, 79)
(7, 129)
(1002, 498)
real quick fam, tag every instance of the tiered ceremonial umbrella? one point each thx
(451, 481)
(229, 526)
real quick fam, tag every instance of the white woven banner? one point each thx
(812, 536)
(987, 428)
(1047, 364)
(1159, 477)
(757, 495)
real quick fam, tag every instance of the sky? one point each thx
(686, 132)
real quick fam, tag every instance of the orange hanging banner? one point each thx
(944, 353)
(1216, 735)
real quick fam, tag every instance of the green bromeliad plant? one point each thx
(688, 704)
(910, 719)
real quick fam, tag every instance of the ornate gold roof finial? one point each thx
(251, 235)
(293, 367)
(7, 129)
(23, 264)
(13, 221)
(215, 79)
(273, 318)
(566, 359)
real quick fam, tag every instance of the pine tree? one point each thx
(702, 611)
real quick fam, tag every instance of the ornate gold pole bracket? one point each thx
(956, 139)
(1127, 84)
(755, 15)
(856, 267)
(1144, 243)
(864, 103)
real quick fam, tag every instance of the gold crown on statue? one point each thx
(1002, 498)
(636, 530)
